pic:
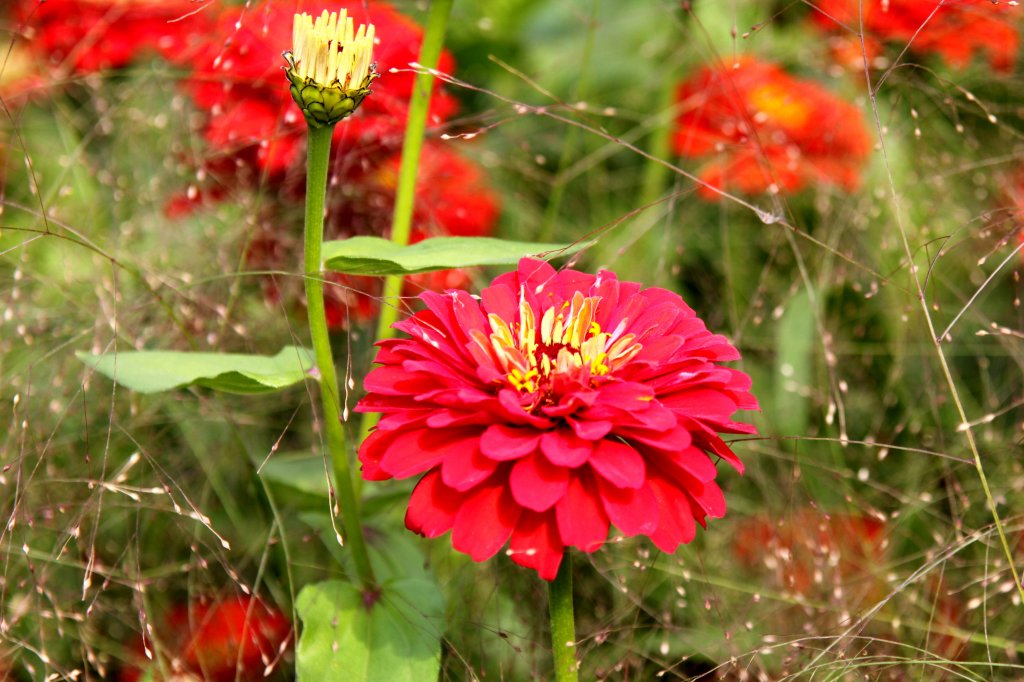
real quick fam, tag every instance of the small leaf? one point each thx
(300, 470)
(155, 371)
(396, 639)
(377, 256)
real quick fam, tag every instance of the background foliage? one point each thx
(859, 541)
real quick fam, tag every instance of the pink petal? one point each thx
(416, 451)
(392, 380)
(536, 483)
(696, 463)
(502, 443)
(465, 470)
(371, 452)
(582, 522)
(675, 519)
(632, 511)
(565, 448)
(619, 464)
(535, 544)
(590, 430)
(485, 521)
(432, 507)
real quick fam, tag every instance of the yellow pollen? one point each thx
(567, 341)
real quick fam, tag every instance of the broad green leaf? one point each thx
(376, 256)
(155, 371)
(396, 639)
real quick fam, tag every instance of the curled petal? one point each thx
(432, 507)
(485, 521)
(619, 464)
(503, 443)
(565, 448)
(582, 522)
(536, 483)
(465, 469)
(633, 511)
(535, 544)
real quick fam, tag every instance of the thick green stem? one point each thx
(412, 145)
(563, 628)
(318, 154)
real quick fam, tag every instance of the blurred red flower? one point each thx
(956, 30)
(85, 36)
(238, 638)
(807, 546)
(237, 80)
(551, 407)
(768, 131)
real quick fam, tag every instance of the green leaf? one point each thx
(299, 470)
(396, 639)
(155, 371)
(377, 256)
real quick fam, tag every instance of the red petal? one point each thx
(432, 507)
(619, 464)
(590, 430)
(416, 451)
(675, 519)
(370, 453)
(565, 448)
(634, 512)
(536, 483)
(485, 521)
(462, 471)
(582, 522)
(535, 544)
(503, 443)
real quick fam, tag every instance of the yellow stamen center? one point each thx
(567, 341)
(330, 51)
(772, 103)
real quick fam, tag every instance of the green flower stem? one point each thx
(412, 146)
(318, 154)
(563, 628)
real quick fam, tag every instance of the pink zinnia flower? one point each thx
(551, 407)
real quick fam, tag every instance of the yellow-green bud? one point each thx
(329, 67)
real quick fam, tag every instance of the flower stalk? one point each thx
(412, 146)
(330, 71)
(563, 628)
(318, 153)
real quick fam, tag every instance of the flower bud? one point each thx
(329, 67)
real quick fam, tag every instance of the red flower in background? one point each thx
(807, 547)
(768, 131)
(237, 81)
(956, 30)
(552, 407)
(239, 638)
(85, 36)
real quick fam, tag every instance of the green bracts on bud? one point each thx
(325, 105)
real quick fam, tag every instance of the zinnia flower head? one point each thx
(956, 30)
(551, 407)
(85, 36)
(252, 122)
(237, 638)
(330, 68)
(768, 131)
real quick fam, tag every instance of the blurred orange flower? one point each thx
(956, 30)
(768, 131)
(807, 547)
